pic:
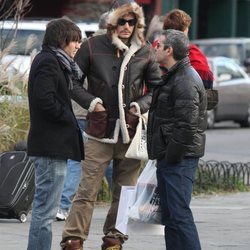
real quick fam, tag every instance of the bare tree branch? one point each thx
(14, 9)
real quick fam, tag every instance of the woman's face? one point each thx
(72, 48)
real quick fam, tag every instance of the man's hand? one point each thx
(99, 107)
(133, 110)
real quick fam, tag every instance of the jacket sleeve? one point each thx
(80, 94)
(199, 61)
(186, 110)
(152, 77)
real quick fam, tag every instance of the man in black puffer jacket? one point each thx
(176, 138)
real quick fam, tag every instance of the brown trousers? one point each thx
(125, 173)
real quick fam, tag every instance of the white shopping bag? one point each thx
(127, 225)
(142, 228)
(127, 193)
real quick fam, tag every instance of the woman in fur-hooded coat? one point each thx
(117, 75)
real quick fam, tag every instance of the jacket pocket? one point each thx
(97, 124)
(132, 122)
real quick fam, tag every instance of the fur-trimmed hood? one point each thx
(138, 35)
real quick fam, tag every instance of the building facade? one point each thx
(211, 18)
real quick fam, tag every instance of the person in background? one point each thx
(117, 65)
(179, 20)
(74, 168)
(103, 30)
(102, 25)
(176, 138)
(154, 29)
(74, 171)
(54, 135)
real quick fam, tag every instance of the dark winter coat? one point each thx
(177, 117)
(116, 82)
(117, 74)
(54, 131)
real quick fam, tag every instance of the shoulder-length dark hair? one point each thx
(60, 32)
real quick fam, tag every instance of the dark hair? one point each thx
(103, 20)
(178, 41)
(177, 19)
(60, 32)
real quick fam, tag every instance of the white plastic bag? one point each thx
(146, 201)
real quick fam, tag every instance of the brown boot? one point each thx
(72, 244)
(110, 243)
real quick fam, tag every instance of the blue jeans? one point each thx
(109, 173)
(73, 176)
(49, 179)
(71, 182)
(175, 183)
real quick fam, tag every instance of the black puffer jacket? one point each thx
(177, 117)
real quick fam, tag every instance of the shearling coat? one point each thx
(116, 82)
(54, 131)
(177, 116)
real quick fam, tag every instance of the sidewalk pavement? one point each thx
(223, 222)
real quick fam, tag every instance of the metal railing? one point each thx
(224, 173)
(211, 175)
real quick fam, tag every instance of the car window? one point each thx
(26, 40)
(228, 69)
(228, 50)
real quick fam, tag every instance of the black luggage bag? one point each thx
(17, 185)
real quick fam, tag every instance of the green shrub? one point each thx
(14, 123)
(14, 114)
(207, 183)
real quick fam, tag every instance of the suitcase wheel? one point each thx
(23, 218)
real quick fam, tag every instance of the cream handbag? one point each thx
(138, 146)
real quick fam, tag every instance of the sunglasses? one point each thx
(131, 22)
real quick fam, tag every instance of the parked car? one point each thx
(235, 48)
(28, 39)
(233, 85)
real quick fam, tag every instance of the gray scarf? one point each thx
(72, 68)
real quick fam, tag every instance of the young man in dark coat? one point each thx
(117, 65)
(176, 138)
(54, 134)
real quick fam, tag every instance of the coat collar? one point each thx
(180, 64)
